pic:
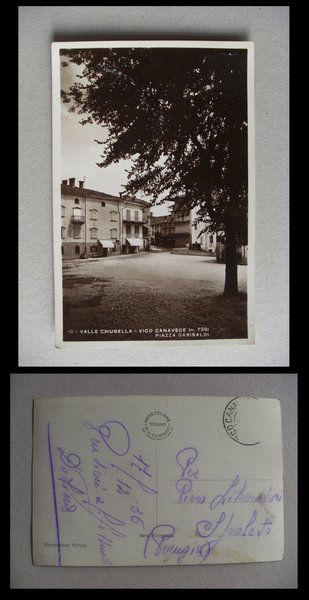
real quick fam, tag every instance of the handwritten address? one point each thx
(120, 471)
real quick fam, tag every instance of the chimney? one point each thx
(72, 182)
(81, 184)
(64, 182)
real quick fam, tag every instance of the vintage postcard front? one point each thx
(157, 480)
(153, 192)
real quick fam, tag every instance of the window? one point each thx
(102, 203)
(136, 215)
(62, 233)
(136, 229)
(114, 233)
(211, 239)
(62, 250)
(63, 211)
(93, 214)
(113, 215)
(93, 233)
(76, 200)
(77, 232)
(128, 229)
(128, 215)
(77, 250)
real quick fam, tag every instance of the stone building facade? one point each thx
(97, 224)
(179, 230)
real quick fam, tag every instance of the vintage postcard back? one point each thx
(157, 480)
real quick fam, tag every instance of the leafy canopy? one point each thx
(180, 115)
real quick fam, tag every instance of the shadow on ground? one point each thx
(104, 304)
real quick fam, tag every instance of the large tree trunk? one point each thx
(231, 284)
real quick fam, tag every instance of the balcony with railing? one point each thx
(78, 218)
(141, 221)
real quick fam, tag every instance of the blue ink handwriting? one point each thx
(142, 485)
(114, 435)
(123, 487)
(185, 458)
(207, 528)
(183, 487)
(72, 480)
(141, 465)
(235, 493)
(136, 511)
(158, 543)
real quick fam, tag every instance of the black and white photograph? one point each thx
(153, 192)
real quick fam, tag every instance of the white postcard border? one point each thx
(56, 157)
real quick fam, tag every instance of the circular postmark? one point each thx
(241, 420)
(157, 425)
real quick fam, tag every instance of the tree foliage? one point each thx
(181, 115)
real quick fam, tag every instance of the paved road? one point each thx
(160, 269)
(151, 289)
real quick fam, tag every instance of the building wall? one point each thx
(101, 222)
(183, 234)
(101, 218)
(207, 241)
(181, 231)
(163, 231)
(135, 221)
